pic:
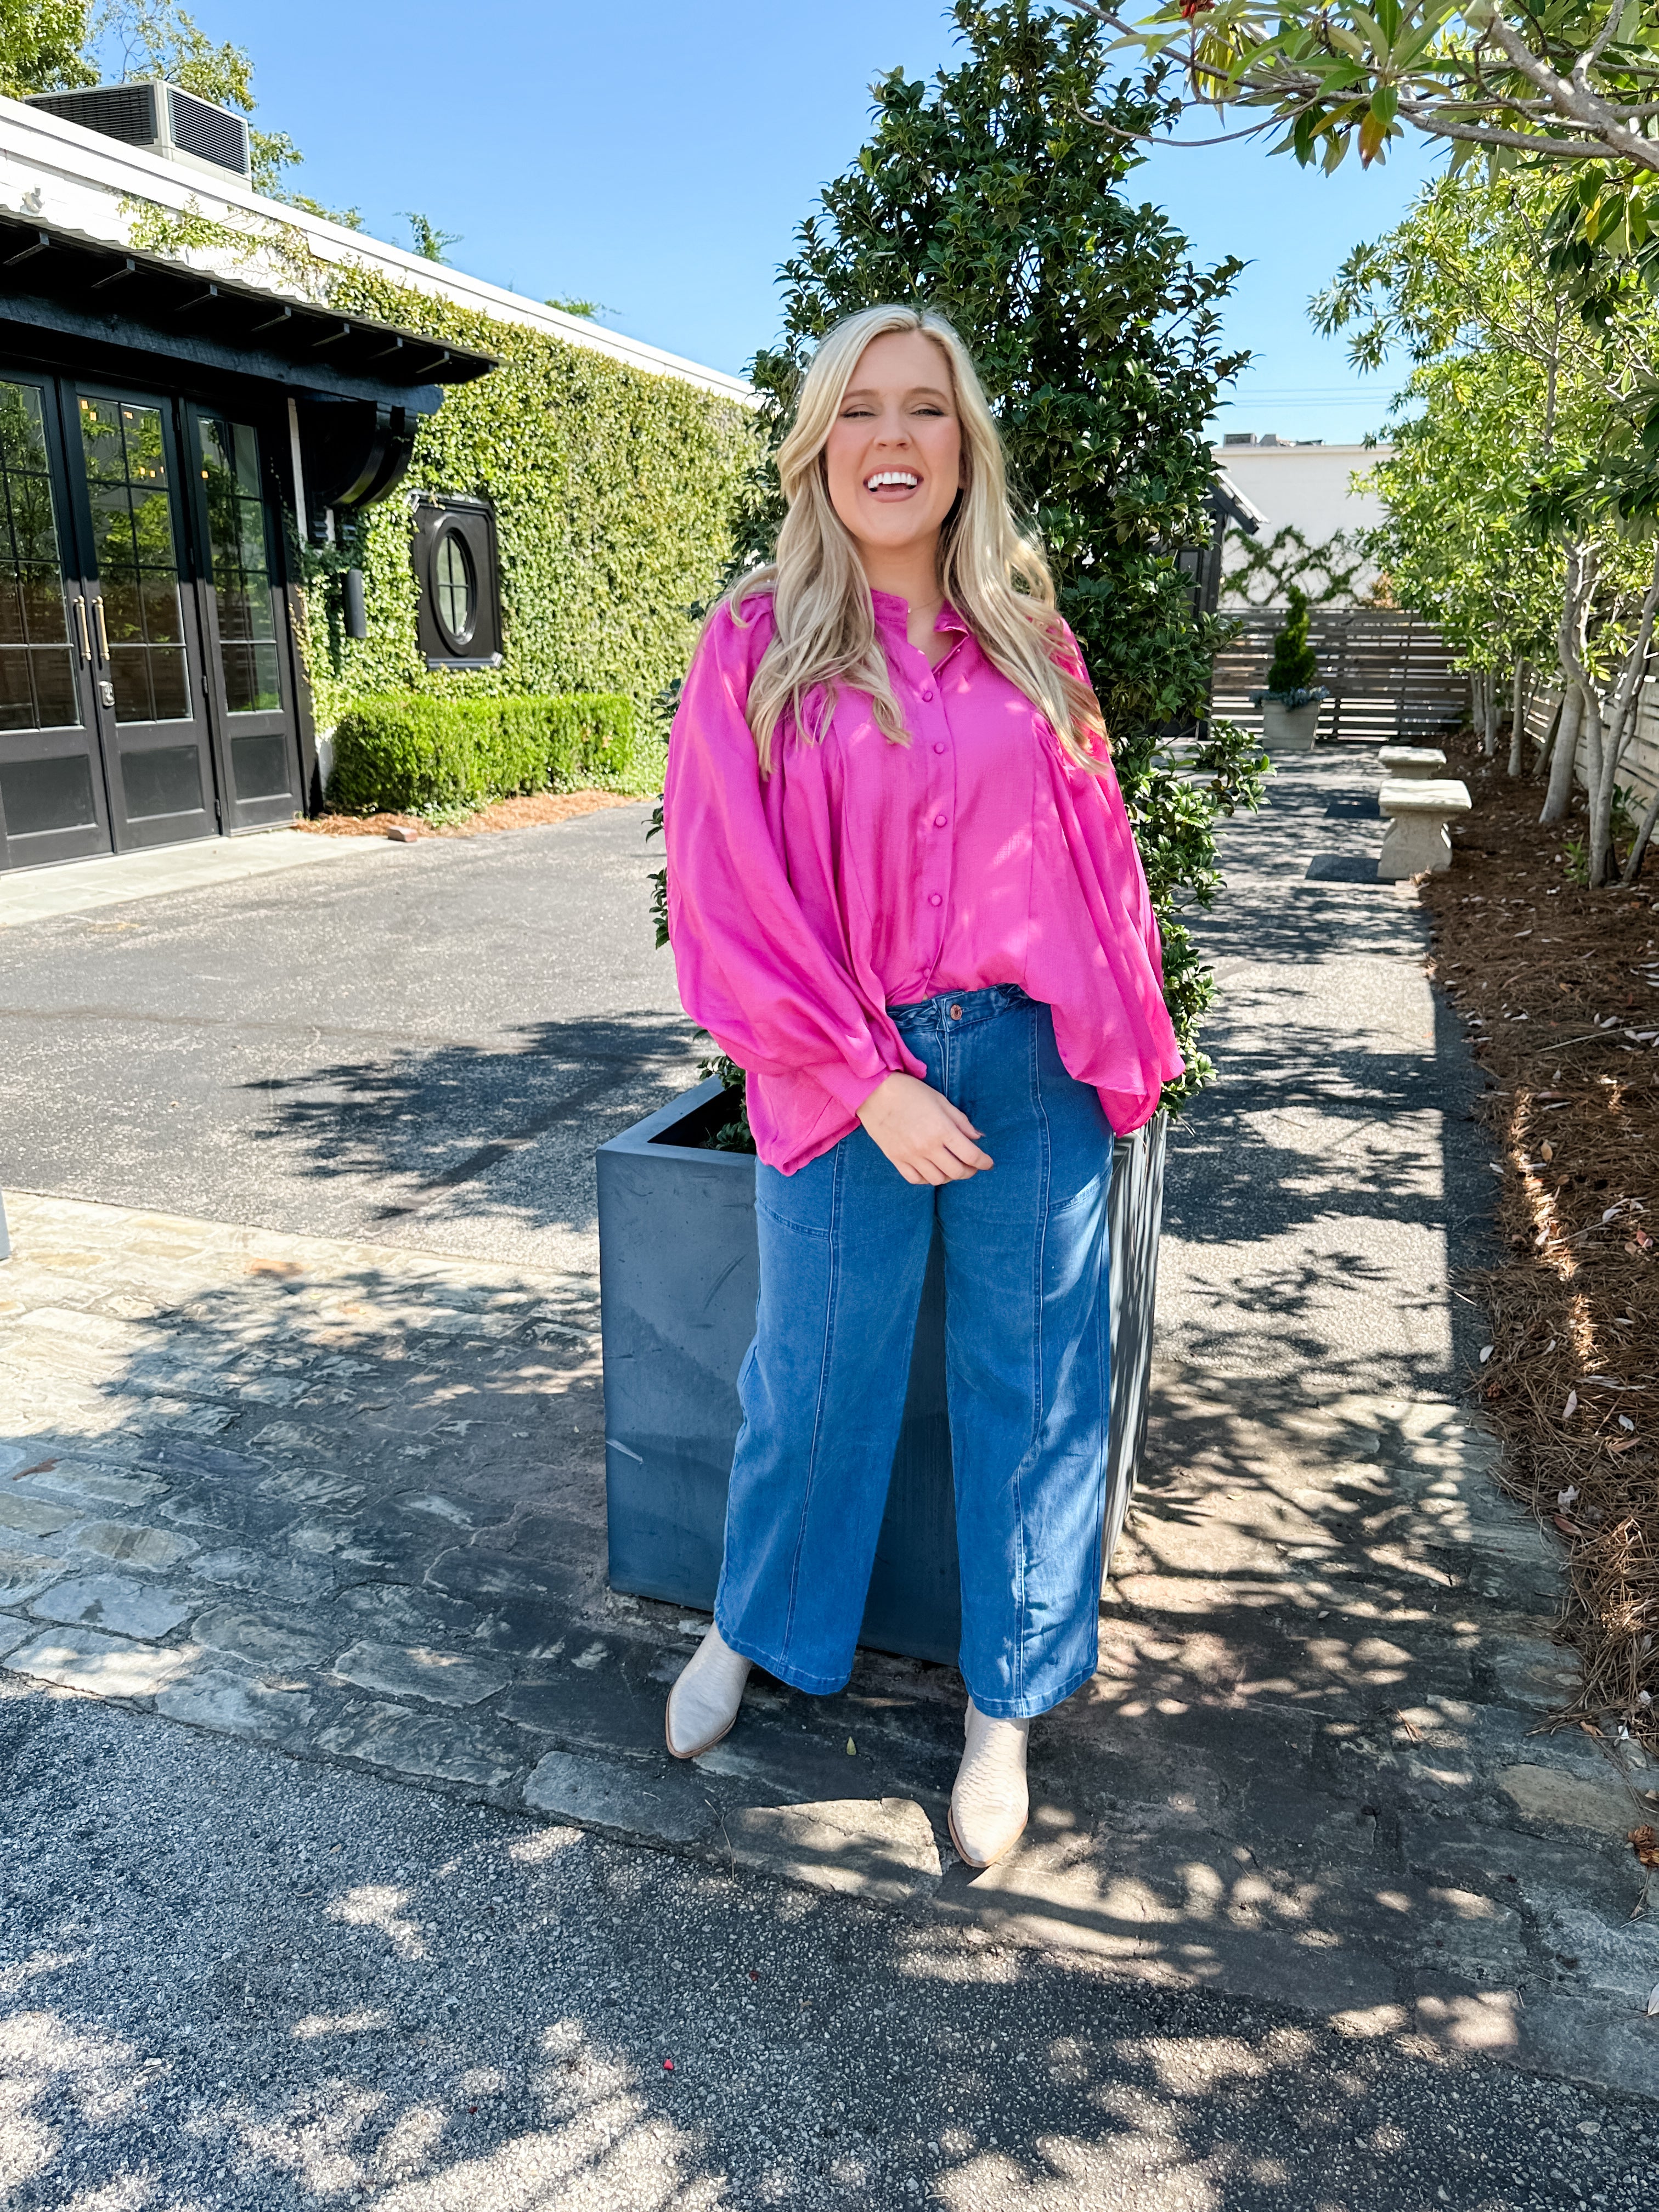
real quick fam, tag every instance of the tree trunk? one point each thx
(1546, 750)
(1596, 748)
(1558, 797)
(1488, 697)
(1583, 564)
(1518, 719)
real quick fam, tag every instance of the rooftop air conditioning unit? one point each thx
(163, 117)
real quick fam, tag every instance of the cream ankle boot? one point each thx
(990, 1803)
(704, 1704)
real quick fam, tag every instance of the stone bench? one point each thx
(1418, 809)
(1412, 762)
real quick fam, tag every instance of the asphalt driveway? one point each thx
(421, 1048)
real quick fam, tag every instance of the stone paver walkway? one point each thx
(345, 1500)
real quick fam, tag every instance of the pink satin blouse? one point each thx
(862, 875)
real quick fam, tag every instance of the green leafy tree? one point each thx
(1560, 81)
(429, 242)
(989, 195)
(42, 45)
(1520, 478)
(1457, 542)
(1294, 667)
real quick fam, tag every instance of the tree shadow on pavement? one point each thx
(241, 1983)
(459, 1125)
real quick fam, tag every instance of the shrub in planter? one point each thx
(412, 752)
(1290, 704)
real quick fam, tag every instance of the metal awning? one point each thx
(63, 282)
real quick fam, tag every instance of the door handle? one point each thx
(103, 634)
(81, 624)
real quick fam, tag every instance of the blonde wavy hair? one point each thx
(990, 570)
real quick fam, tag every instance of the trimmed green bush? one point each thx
(1294, 671)
(413, 753)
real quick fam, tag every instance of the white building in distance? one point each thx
(1315, 519)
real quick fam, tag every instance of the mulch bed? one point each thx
(1559, 988)
(530, 811)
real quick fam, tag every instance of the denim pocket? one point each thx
(796, 1228)
(803, 1203)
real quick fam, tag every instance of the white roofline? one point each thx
(1382, 449)
(66, 174)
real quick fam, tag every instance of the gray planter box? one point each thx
(679, 1272)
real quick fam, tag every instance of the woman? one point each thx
(903, 897)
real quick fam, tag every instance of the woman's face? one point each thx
(894, 457)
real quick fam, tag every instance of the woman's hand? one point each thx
(926, 1137)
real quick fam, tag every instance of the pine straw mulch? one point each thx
(1560, 987)
(531, 811)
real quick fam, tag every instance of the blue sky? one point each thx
(657, 158)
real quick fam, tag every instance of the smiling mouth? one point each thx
(892, 480)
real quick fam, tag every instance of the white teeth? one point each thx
(891, 476)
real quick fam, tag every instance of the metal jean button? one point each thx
(956, 1013)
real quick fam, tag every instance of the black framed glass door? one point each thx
(147, 660)
(52, 800)
(146, 685)
(247, 676)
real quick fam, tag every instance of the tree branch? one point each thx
(1590, 149)
(1587, 109)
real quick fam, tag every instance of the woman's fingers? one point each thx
(928, 1139)
(961, 1148)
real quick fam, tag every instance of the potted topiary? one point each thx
(1290, 705)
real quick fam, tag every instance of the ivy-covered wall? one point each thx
(614, 492)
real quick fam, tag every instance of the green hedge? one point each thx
(614, 490)
(414, 752)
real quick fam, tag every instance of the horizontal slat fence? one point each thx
(1638, 771)
(1388, 676)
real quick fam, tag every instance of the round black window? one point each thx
(454, 588)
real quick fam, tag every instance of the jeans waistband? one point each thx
(959, 1009)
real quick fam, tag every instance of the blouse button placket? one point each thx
(941, 792)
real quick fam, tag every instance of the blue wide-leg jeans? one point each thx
(843, 1249)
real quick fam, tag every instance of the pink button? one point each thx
(926, 692)
(938, 821)
(935, 898)
(939, 748)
